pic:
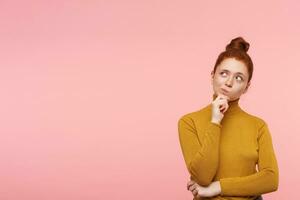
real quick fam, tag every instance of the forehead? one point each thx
(233, 65)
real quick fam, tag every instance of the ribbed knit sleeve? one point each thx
(263, 181)
(200, 149)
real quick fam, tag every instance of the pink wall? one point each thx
(91, 92)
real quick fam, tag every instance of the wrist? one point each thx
(216, 121)
(217, 187)
(214, 189)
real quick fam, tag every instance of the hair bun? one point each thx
(238, 44)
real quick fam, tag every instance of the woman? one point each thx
(221, 143)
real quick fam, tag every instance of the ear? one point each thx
(246, 89)
(212, 76)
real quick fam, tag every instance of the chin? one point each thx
(229, 98)
(233, 99)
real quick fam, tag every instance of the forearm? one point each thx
(200, 149)
(264, 181)
(205, 163)
(259, 183)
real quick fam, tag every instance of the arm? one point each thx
(201, 155)
(264, 181)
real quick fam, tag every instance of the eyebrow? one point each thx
(236, 73)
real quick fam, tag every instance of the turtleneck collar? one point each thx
(233, 108)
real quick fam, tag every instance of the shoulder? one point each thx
(193, 116)
(257, 120)
(262, 128)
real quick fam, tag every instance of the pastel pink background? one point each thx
(91, 92)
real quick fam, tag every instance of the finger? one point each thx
(222, 108)
(220, 95)
(195, 192)
(222, 102)
(221, 105)
(190, 183)
(193, 187)
(189, 186)
(196, 186)
(226, 107)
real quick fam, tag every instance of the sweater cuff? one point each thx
(215, 125)
(227, 187)
(224, 186)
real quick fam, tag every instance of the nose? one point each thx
(229, 82)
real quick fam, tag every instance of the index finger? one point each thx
(222, 96)
(191, 182)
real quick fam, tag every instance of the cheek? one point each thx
(218, 82)
(239, 90)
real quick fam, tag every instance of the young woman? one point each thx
(221, 143)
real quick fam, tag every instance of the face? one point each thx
(230, 78)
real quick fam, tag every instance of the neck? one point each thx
(233, 108)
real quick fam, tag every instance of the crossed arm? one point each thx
(202, 159)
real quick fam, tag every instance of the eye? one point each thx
(241, 78)
(222, 73)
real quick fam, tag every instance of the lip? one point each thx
(225, 91)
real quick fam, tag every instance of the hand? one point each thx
(219, 107)
(199, 191)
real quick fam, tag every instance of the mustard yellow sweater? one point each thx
(229, 152)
